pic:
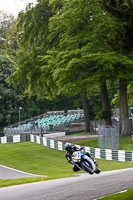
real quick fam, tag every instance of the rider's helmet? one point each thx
(68, 147)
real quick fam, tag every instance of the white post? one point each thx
(20, 108)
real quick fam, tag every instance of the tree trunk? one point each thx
(86, 112)
(124, 119)
(105, 104)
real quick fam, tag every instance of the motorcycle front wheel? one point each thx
(87, 168)
(97, 170)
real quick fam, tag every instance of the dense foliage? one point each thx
(12, 98)
(73, 51)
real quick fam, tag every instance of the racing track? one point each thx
(10, 173)
(85, 187)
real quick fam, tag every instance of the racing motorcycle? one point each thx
(85, 163)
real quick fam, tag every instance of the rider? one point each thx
(69, 151)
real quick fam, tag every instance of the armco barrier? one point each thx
(48, 142)
(14, 139)
(106, 154)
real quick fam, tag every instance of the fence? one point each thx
(14, 139)
(94, 124)
(108, 137)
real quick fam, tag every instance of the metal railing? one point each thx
(108, 137)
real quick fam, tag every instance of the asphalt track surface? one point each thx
(74, 138)
(84, 187)
(10, 173)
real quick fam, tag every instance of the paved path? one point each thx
(10, 173)
(73, 138)
(85, 187)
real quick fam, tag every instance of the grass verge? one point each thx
(125, 143)
(37, 159)
(33, 158)
(18, 181)
(128, 195)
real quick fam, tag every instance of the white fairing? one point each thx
(91, 161)
(76, 156)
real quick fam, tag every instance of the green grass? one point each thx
(33, 158)
(18, 181)
(128, 195)
(37, 159)
(92, 142)
(125, 143)
(82, 133)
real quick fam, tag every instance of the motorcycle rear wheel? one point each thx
(86, 168)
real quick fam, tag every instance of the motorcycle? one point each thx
(85, 163)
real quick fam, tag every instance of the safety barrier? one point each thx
(106, 154)
(108, 137)
(54, 144)
(14, 139)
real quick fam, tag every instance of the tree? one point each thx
(11, 99)
(33, 43)
(105, 104)
(6, 22)
(7, 95)
(130, 94)
(69, 58)
(121, 40)
(11, 44)
(75, 54)
(62, 50)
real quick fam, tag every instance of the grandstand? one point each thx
(48, 122)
